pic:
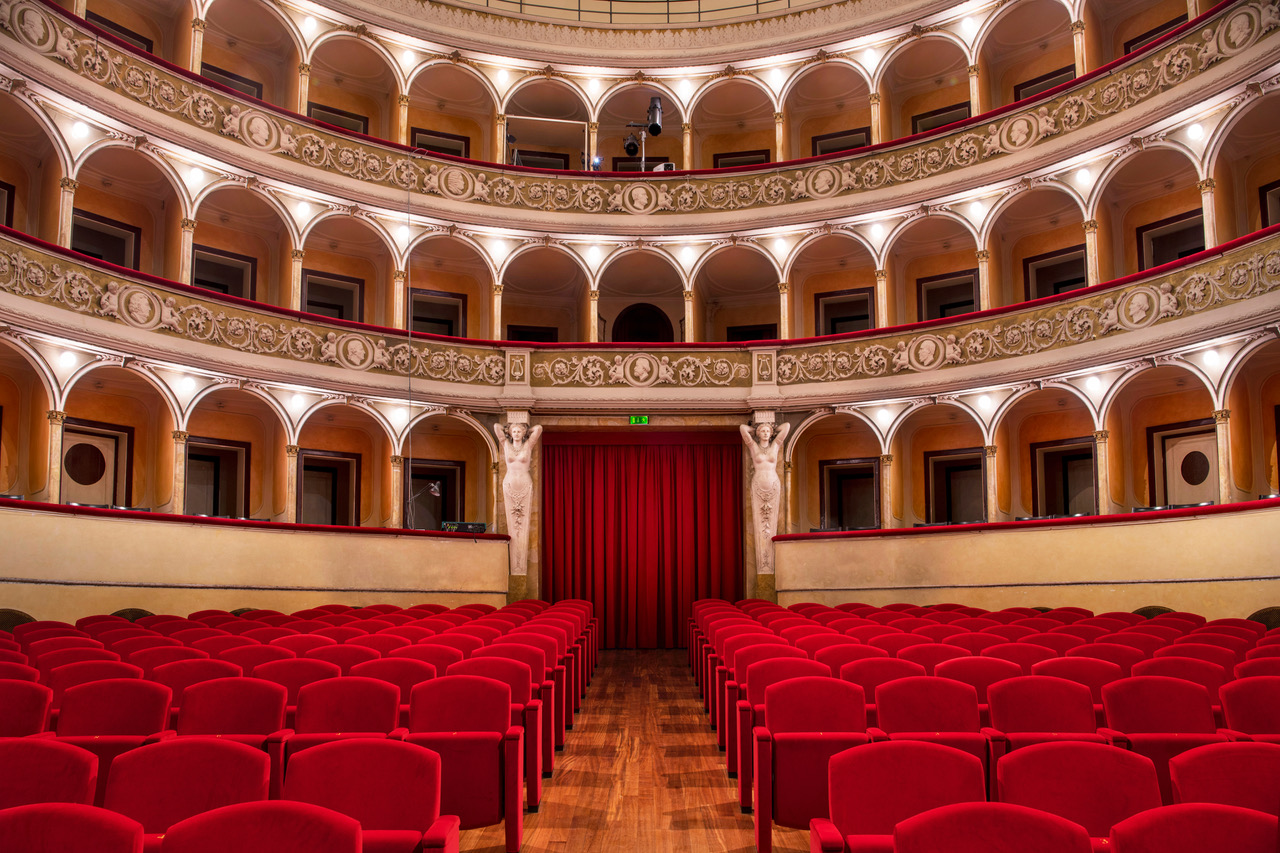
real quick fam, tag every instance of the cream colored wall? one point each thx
(160, 30)
(147, 216)
(1028, 67)
(565, 319)
(744, 314)
(856, 442)
(913, 270)
(954, 90)
(1027, 426)
(375, 272)
(264, 246)
(856, 275)
(609, 144)
(1144, 21)
(255, 429)
(71, 566)
(1121, 566)
(1184, 199)
(377, 108)
(909, 468)
(748, 139)
(428, 119)
(25, 202)
(856, 114)
(149, 417)
(1013, 283)
(1261, 172)
(424, 275)
(1135, 414)
(374, 450)
(469, 450)
(277, 74)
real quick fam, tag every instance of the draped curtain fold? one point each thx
(641, 527)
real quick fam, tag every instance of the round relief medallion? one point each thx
(139, 307)
(1138, 308)
(641, 369)
(452, 182)
(926, 352)
(823, 182)
(640, 199)
(259, 130)
(354, 352)
(85, 464)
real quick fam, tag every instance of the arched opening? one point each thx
(1028, 51)
(546, 127)
(235, 448)
(837, 461)
(162, 28)
(828, 110)
(451, 112)
(29, 173)
(647, 282)
(631, 105)
(116, 445)
(344, 469)
(1246, 172)
(940, 468)
(449, 289)
(24, 427)
(1046, 465)
(127, 213)
(353, 88)
(933, 265)
(736, 297)
(544, 294)
(241, 247)
(1253, 399)
(1150, 213)
(346, 272)
(926, 86)
(446, 471)
(1037, 247)
(733, 126)
(834, 282)
(1114, 30)
(248, 48)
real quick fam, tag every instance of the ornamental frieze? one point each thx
(1231, 32)
(642, 370)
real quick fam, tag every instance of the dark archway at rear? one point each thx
(643, 323)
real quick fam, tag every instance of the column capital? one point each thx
(593, 126)
(198, 24)
(304, 68)
(402, 100)
(1101, 435)
(400, 277)
(188, 224)
(778, 118)
(397, 461)
(69, 184)
(501, 118)
(886, 458)
(291, 450)
(593, 295)
(180, 436)
(881, 276)
(297, 254)
(875, 99)
(990, 450)
(1091, 226)
(1207, 185)
(1077, 26)
(56, 416)
(497, 289)
(784, 287)
(984, 255)
(686, 127)
(1221, 416)
(974, 70)
(688, 295)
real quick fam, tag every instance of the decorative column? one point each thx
(593, 315)
(975, 91)
(593, 137)
(197, 45)
(688, 316)
(402, 119)
(186, 260)
(179, 504)
(686, 145)
(304, 86)
(399, 300)
(1102, 480)
(1222, 424)
(886, 491)
(1193, 9)
(1078, 43)
(986, 299)
(877, 132)
(1206, 188)
(53, 486)
(993, 484)
(882, 299)
(764, 441)
(788, 524)
(780, 137)
(66, 207)
(291, 483)
(397, 492)
(500, 138)
(79, 7)
(496, 313)
(494, 485)
(295, 279)
(1091, 265)
(784, 310)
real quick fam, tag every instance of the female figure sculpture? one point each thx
(517, 487)
(766, 488)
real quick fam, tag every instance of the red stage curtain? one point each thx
(642, 526)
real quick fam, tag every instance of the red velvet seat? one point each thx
(1146, 643)
(1091, 672)
(1234, 774)
(273, 826)
(341, 708)
(250, 711)
(267, 633)
(740, 651)
(163, 783)
(837, 656)
(467, 720)
(870, 673)
(544, 681)
(13, 656)
(980, 673)
(71, 675)
(1058, 643)
(1123, 656)
(988, 828)
(49, 661)
(63, 827)
(24, 707)
(1033, 709)
(43, 770)
(112, 716)
(485, 633)
(762, 670)
(564, 658)
(1085, 632)
(24, 631)
(1227, 638)
(937, 632)
(53, 644)
(340, 633)
(807, 720)
(1159, 717)
(392, 789)
(929, 655)
(249, 658)
(294, 673)
(874, 787)
(149, 659)
(1258, 666)
(1209, 675)
(181, 674)
(344, 655)
(1025, 655)
(1196, 828)
(975, 642)
(1224, 657)
(572, 625)
(724, 645)
(438, 656)
(404, 673)
(1094, 785)
(381, 643)
(412, 633)
(214, 646)
(526, 711)
(300, 644)
(462, 642)
(1252, 705)
(191, 635)
(18, 671)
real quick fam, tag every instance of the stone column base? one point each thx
(516, 587)
(766, 588)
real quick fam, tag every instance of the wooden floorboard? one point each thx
(640, 771)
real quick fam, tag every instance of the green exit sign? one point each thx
(639, 420)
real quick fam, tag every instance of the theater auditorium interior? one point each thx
(663, 425)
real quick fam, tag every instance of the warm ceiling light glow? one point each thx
(1083, 176)
(503, 76)
(686, 89)
(1094, 384)
(870, 58)
(593, 86)
(1195, 131)
(196, 175)
(303, 210)
(687, 255)
(877, 231)
(408, 57)
(593, 255)
(984, 403)
(976, 209)
(400, 415)
(67, 359)
(884, 416)
(297, 402)
(1211, 358)
(969, 25)
(403, 233)
(309, 25)
(780, 246)
(80, 130)
(776, 77)
(187, 384)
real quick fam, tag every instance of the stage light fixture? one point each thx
(631, 145)
(655, 116)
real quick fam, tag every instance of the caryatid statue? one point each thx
(766, 488)
(518, 442)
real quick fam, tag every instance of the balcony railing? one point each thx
(641, 12)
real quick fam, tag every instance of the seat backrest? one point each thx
(163, 783)
(1224, 657)
(1025, 655)
(979, 672)
(975, 641)
(114, 706)
(53, 644)
(485, 633)
(1234, 774)
(348, 704)
(399, 782)
(273, 826)
(513, 673)
(233, 706)
(1209, 675)
(181, 674)
(381, 643)
(24, 707)
(929, 655)
(438, 656)
(1124, 656)
(1091, 672)
(339, 633)
(149, 659)
(404, 673)
(815, 703)
(1252, 705)
(59, 827)
(745, 656)
(875, 786)
(730, 645)
(924, 703)
(22, 672)
(983, 827)
(49, 661)
(894, 643)
(1092, 784)
(44, 770)
(344, 655)
(764, 673)
(460, 703)
(1041, 703)
(464, 643)
(1158, 704)
(294, 673)
(814, 643)
(251, 657)
(1196, 828)
(300, 644)
(837, 656)
(1055, 642)
(870, 673)
(214, 645)
(531, 656)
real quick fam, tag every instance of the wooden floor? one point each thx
(640, 771)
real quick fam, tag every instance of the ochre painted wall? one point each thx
(371, 445)
(860, 273)
(961, 257)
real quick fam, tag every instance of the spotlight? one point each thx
(631, 145)
(655, 116)
(595, 164)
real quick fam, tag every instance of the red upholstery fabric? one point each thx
(266, 634)
(41, 770)
(112, 716)
(750, 710)
(1234, 774)
(49, 661)
(300, 644)
(345, 707)
(837, 656)
(1033, 709)
(1252, 705)
(1058, 643)
(974, 641)
(294, 673)
(163, 783)
(462, 642)
(179, 675)
(250, 711)
(392, 788)
(404, 673)
(215, 645)
(53, 644)
(731, 679)
(381, 643)
(980, 673)
(544, 681)
(1124, 656)
(989, 828)
(18, 671)
(63, 827)
(558, 674)
(344, 655)
(250, 658)
(265, 827)
(1025, 655)
(1196, 828)
(191, 635)
(526, 711)
(149, 659)
(929, 655)
(1091, 672)
(870, 673)
(24, 707)
(894, 643)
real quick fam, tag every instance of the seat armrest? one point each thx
(824, 837)
(45, 733)
(279, 737)
(1234, 735)
(994, 735)
(1116, 738)
(877, 734)
(443, 835)
(398, 733)
(159, 736)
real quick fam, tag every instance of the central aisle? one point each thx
(640, 772)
